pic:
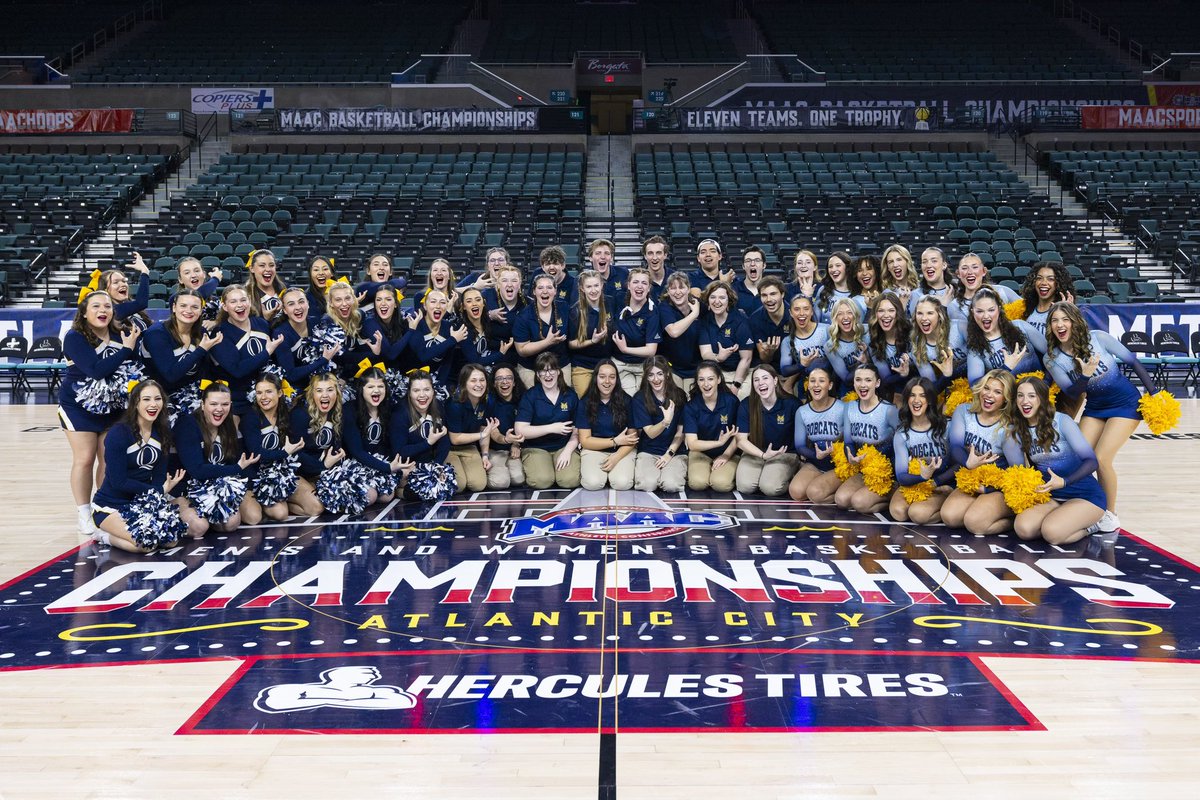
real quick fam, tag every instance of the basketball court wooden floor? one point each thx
(575, 645)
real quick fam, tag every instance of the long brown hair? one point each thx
(80, 325)
(226, 432)
(976, 340)
(251, 286)
(222, 314)
(1080, 341)
(920, 352)
(671, 390)
(755, 403)
(160, 429)
(1043, 419)
(172, 324)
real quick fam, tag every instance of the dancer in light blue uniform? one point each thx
(977, 434)
(921, 435)
(1053, 443)
(995, 342)
(818, 428)
(869, 420)
(846, 347)
(939, 347)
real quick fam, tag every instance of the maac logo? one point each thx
(591, 516)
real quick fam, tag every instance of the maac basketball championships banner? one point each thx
(66, 120)
(1000, 103)
(406, 120)
(559, 611)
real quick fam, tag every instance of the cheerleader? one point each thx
(921, 435)
(935, 277)
(191, 276)
(440, 277)
(679, 316)
(805, 280)
(318, 418)
(847, 340)
(100, 362)
(939, 347)
(899, 274)
(637, 331)
(132, 509)
(1048, 283)
(869, 420)
(546, 418)
(481, 345)
(977, 435)
(320, 275)
(588, 324)
(274, 484)
(818, 429)
(420, 437)
(177, 351)
(342, 325)
(264, 285)
(994, 341)
(1082, 361)
(474, 430)
(1053, 443)
(803, 343)
(972, 277)
(766, 426)
(246, 345)
(506, 394)
(131, 310)
(889, 335)
(837, 284)
(606, 437)
(299, 356)
(387, 334)
(217, 466)
(867, 276)
(725, 336)
(656, 412)
(366, 440)
(378, 274)
(430, 347)
(541, 329)
(710, 431)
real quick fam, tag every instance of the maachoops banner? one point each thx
(1003, 103)
(66, 120)
(562, 611)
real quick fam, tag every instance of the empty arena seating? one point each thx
(52, 29)
(299, 41)
(670, 32)
(1165, 28)
(934, 40)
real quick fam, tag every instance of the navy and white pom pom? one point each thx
(275, 481)
(183, 401)
(384, 483)
(326, 334)
(106, 395)
(153, 520)
(340, 489)
(219, 499)
(397, 385)
(429, 481)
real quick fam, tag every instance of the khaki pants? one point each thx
(766, 477)
(684, 383)
(541, 474)
(630, 376)
(701, 475)
(506, 471)
(647, 477)
(467, 463)
(592, 475)
(580, 380)
(741, 393)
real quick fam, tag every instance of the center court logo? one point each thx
(592, 516)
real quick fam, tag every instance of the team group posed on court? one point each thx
(883, 384)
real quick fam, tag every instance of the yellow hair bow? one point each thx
(331, 282)
(365, 365)
(288, 389)
(413, 372)
(332, 262)
(399, 296)
(92, 285)
(204, 384)
(129, 387)
(250, 258)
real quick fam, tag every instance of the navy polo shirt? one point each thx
(591, 355)
(682, 351)
(644, 418)
(603, 426)
(565, 290)
(778, 422)
(536, 409)
(706, 424)
(735, 331)
(466, 418)
(528, 327)
(639, 328)
(762, 327)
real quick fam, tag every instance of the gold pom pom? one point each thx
(841, 465)
(1020, 484)
(1041, 376)
(959, 392)
(920, 492)
(974, 481)
(878, 474)
(1161, 411)
(850, 395)
(1015, 309)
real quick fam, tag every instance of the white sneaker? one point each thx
(1093, 529)
(100, 537)
(86, 526)
(1110, 522)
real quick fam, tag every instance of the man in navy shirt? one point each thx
(553, 261)
(754, 262)
(767, 321)
(708, 256)
(654, 253)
